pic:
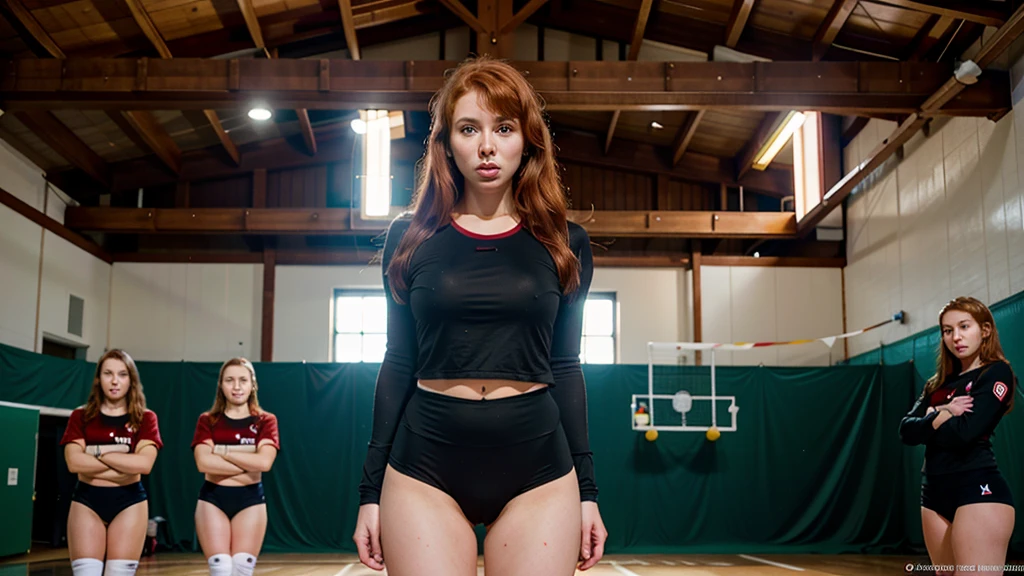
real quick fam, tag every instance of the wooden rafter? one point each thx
(745, 159)
(521, 16)
(737, 21)
(995, 46)
(638, 29)
(830, 27)
(145, 130)
(610, 133)
(145, 23)
(463, 13)
(252, 22)
(59, 137)
(32, 27)
(930, 34)
(336, 221)
(685, 134)
(307, 131)
(978, 11)
(349, 26)
(34, 215)
(845, 88)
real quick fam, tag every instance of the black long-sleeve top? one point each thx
(963, 442)
(488, 307)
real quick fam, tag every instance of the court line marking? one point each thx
(772, 563)
(622, 570)
(346, 569)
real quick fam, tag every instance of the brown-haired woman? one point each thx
(967, 512)
(234, 444)
(480, 413)
(110, 443)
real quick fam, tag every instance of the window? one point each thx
(598, 346)
(360, 325)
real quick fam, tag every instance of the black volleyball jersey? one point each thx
(963, 442)
(488, 307)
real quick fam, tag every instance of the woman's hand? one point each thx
(367, 536)
(959, 405)
(594, 536)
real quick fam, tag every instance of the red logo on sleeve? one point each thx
(1000, 390)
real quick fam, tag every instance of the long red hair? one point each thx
(538, 196)
(990, 350)
(220, 401)
(135, 398)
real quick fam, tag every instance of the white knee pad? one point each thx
(242, 564)
(220, 565)
(121, 568)
(87, 567)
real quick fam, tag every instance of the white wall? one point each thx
(195, 312)
(760, 303)
(653, 306)
(66, 269)
(944, 222)
(302, 307)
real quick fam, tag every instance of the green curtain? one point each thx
(921, 350)
(816, 463)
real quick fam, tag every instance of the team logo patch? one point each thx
(1000, 390)
(985, 491)
(254, 429)
(969, 384)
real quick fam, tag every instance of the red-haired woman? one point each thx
(967, 512)
(234, 444)
(110, 443)
(480, 413)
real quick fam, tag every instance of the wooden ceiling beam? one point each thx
(638, 29)
(685, 135)
(586, 150)
(465, 15)
(149, 29)
(843, 88)
(336, 221)
(348, 24)
(38, 217)
(995, 46)
(252, 22)
(308, 136)
(744, 160)
(737, 21)
(928, 37)
(521, 16)
(830, 27)
(26, 25)
(149, 135)
(978, 11)
(62, 140)
(610, 133)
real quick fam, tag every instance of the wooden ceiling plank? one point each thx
(830, 27)
(32, 26)
(978, 11)
(62, 140)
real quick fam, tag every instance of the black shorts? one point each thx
(232, 499)
(944, 493)
(108, 501)
(483, 453)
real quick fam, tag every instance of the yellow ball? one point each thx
(651, 435)
(713, 434)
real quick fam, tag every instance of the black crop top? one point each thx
(488, 307)
(963, 442)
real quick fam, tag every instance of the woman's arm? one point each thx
(395, 382)
(569, 391)
(261, 461)
(81, 463)
(916, 427)
(113, 476)
(209, 463)
(991, 393)
(141, 462)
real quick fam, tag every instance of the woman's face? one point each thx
(962, 334)
(236, 385)
(114, 379)
(487, 148)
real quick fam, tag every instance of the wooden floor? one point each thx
(166, 564)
